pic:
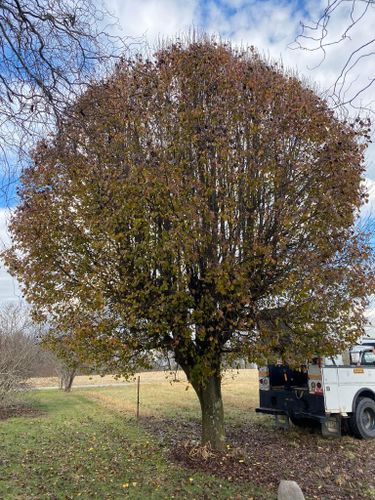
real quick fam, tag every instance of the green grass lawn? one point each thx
(79, 448)
(87, 444)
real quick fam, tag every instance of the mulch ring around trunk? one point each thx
(341, 468)
(18, 410)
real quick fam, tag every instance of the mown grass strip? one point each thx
(78, 448)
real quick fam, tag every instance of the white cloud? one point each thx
(9, 289)
(370, 316)
(368, 210)
(154, 18)
(272, 26)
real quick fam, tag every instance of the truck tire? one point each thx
(362, 421)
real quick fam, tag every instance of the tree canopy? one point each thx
(204, 202)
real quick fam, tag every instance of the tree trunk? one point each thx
(69, 380)
(66, 378)
(209, 394)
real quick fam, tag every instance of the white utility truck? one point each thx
(325, 391)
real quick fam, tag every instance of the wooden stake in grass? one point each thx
(138, 385)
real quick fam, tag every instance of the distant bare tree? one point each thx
(68, 364)
(49, 49)
(18, 350)
(322, 34)
(67, 374)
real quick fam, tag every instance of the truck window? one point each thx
(334, 360)
(355, 358)
(368, 358)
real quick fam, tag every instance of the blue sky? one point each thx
(269, 25)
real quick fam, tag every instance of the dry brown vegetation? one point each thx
(80, 380)
(162, 393)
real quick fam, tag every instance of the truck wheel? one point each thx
(362, 421)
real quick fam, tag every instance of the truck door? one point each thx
(330, 379)
(353, 379)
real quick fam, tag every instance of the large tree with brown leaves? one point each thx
(201, 202)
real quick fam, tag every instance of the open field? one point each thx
(231, 377)
(97, 380)
(79, 380)
(88, 444)
(162, 395)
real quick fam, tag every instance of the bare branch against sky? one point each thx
(347, 23)
(49, 50)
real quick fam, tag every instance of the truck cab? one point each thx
(362, 355)
(326, 391)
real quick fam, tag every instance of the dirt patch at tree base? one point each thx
(341, 468)
(18, 410)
